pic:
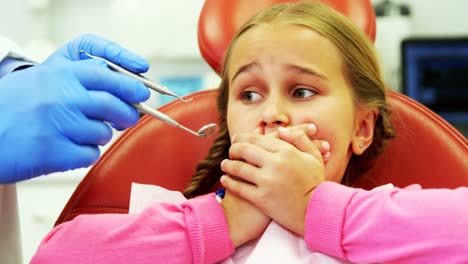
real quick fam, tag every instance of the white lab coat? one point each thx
(10, 239)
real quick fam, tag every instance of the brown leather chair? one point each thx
(427, 149)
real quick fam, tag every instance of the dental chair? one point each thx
(427, 149)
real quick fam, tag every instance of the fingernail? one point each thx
(222, 179)
(325, 145)
(312, 128)
(327, 155)
(283, 131)
(223, 162)
(257, 130)
(233, 138)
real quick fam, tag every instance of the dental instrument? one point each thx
(204, 131)
(147, 82)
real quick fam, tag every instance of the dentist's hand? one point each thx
(52, 116)
(277, 175)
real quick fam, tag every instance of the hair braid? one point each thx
(208, 170)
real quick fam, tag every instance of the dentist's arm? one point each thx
(52, 115)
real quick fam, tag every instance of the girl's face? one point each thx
(286, 75)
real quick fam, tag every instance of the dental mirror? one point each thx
(204, 131)
(207, 130)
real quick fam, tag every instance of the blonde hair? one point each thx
(361, 70)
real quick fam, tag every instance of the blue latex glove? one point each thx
(52, 115)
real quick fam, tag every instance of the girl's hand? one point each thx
(310, 130)
(277, 175)
(245, 221)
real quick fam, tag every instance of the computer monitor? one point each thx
(435, 73)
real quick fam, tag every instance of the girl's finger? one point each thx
(309, 129)
(269, 144)
(242, 189)
(242, 170)
(300, 140)
(250, 153)
(324, 148)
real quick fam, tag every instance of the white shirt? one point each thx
(9, 49)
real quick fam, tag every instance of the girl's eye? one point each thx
(250, 96)
(303, 93)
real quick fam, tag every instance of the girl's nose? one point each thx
(274, 114)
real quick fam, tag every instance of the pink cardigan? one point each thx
(400, 226)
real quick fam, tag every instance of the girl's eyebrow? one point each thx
(245, 68)
(305, 70)
(289, 67)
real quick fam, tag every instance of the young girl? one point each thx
(288, 67)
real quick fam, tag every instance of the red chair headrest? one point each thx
(220, 20)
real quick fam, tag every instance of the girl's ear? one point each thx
(364, 132)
